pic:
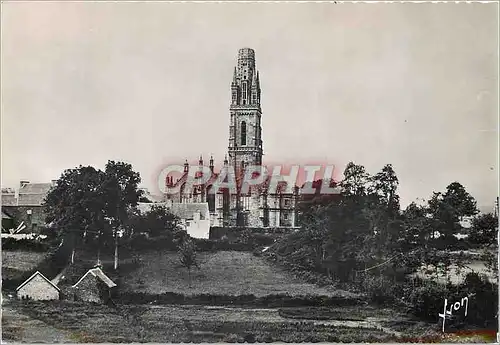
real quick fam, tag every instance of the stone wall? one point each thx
(88, 290)
(32, 216)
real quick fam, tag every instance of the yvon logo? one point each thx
(448, 314)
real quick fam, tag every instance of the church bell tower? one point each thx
(245, 131)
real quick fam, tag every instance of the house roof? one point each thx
(181, 210)
(5, 215)
(9, 199)
(97, 272)
(37, 273)
(32, 194)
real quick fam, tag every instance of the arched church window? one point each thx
(243, 133)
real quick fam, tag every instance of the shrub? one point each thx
(483, 300)
(427, 301)
(380, 289)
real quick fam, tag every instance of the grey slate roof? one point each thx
(33, 194)
(5, 215)
(9, 200)
(97, 272)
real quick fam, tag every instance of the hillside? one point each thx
(221, 273)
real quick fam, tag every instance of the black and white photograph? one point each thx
(249, 172)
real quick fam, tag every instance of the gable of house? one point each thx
(87, 288)
(38, 287)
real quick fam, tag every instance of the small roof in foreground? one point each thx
(5, 215)
(37, 273)
(97, 272)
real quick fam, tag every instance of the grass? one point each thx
(221, 273)
(17, 262)
(97, 323)
(21, 260)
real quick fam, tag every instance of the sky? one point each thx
(412, 85)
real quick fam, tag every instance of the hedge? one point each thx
(274, 300)
(24, 244)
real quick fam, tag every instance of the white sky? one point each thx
(414, 85)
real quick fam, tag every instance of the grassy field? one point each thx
(221, 273)
(18, 262)
(21, 260)
(149, 323)
(96, 323)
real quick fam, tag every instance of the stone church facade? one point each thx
(257, 208)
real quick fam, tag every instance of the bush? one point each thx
(483, 300)
(427, 301)
(278, 300)
(380, 289)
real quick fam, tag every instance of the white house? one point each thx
(194, 217)
(38, 288)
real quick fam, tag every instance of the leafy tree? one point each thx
(449, 208)
(120, 187)
(75, 205)
(484, 230)
(155, 222)
(355, 182)
(462, 203)
(187, 256)
(89, 201)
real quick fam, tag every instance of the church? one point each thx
(257, 208)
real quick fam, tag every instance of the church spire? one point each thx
(245, 140)
(235, 80)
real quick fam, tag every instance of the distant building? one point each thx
(94, 286)
(25, 204)
(194, 217)
(38, 288)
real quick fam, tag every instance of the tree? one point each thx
(121, 189)
(75, 205)
(484, 230)
(155, 222)
(355, 180)
(449, 208)
(187, 256)
(89, 201)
